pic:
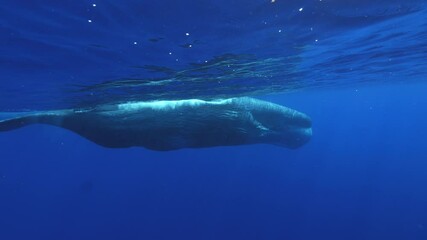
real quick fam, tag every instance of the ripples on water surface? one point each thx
(61, 54)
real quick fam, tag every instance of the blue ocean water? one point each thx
(358, 68)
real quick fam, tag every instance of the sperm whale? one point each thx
(176, 124)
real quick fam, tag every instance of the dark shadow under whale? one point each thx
(170, 125)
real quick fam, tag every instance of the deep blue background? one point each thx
(361, 177)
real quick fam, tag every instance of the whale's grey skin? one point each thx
(170, 125)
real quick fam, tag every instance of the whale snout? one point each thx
(287, 128)
(296, 137)
(297, 131)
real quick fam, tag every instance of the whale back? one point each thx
(13, 120)
(10, 121)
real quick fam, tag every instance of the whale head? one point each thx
(294, 135)
(283, 126)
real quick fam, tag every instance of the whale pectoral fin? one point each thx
(11, 121)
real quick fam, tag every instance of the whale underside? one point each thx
(170, 125)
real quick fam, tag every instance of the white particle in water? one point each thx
(94, 5)
(170, 53)
(135, 43)
(301, 9)
(89, 20)
(187, 34)
(190, 46)
(280, 30)
(316, 40)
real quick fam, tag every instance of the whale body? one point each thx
(170, 125)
